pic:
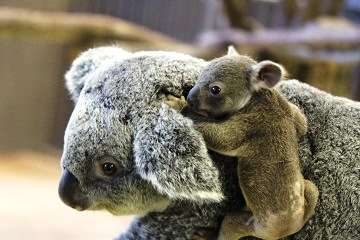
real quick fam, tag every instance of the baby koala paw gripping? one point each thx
(176, 103)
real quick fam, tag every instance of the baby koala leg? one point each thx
(176, 103)
(205, 234)
(311, 195)
(245, 223)
(236, 225)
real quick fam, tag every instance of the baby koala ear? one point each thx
(232, 51)
(267, 74)
(172, 156)
(86, 64)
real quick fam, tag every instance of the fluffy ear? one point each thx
(232, 51)
(172, 156)
(267, 74)
(84, 65)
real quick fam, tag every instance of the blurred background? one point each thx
(318, 41)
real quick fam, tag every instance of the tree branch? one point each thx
(72, 28)
(326, 32)
(75, 28)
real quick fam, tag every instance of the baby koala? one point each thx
(240, 114)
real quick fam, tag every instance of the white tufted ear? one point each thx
(232, 51)
(172, 156)
(84, 65)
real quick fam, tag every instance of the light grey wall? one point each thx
(30, 83)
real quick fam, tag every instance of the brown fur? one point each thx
(262, 132)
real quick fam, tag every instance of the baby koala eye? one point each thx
(215, 90)
(109, 168)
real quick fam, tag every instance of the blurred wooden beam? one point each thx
(70, 28)
(326, 32)
(79, 28)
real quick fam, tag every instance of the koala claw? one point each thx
(204, 234)
(176, 103)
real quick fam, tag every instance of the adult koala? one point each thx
(128, 153)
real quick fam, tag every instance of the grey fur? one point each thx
(167, 177)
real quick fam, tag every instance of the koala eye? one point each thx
(215, 90)
(109, 168)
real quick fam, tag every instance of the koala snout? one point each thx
(192, 98)
(70, 192)
(191, 104)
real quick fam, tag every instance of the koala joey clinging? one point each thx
(240, 114)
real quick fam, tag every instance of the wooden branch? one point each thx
(70, 28)
(75, 28)
(321, 34)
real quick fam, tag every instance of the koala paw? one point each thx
(176, 103)
(204, 234)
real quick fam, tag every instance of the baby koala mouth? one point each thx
(196, 107)
(202, 112)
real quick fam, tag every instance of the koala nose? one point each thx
(190, 103)
(192, 97)
(70, 192)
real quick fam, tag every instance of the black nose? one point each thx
(193, 102)
(192, 98)
(190, 103)
(70, 192)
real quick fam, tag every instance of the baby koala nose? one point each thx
(192, 99)
(190, 103)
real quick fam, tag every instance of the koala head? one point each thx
(125, 151)
(227, 84)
